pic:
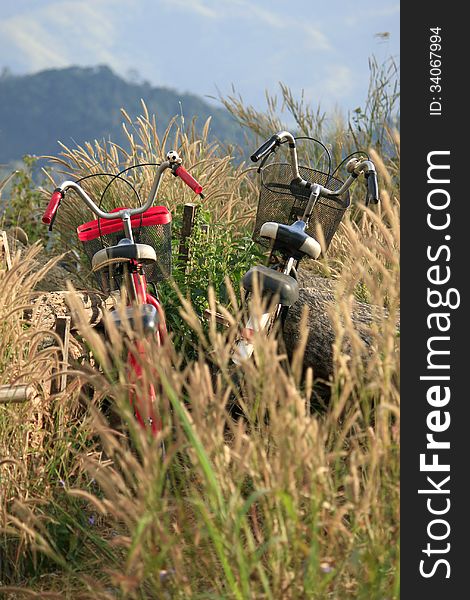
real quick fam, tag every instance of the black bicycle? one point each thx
(298, 207)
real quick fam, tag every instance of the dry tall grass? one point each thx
(286, 503)
(229, 195)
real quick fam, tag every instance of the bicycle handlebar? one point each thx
(365, 166)
(173, 163)
(274, 141)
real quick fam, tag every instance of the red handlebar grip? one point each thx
(52, 207)
(188, 179)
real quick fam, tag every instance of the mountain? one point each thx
(79, 104)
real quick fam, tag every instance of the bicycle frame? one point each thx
(244, 345)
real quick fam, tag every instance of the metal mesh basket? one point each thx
(152, 228)
(280, 202)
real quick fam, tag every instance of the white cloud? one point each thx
(338, 83)
(290, 28)
(27, 36)
(315, 37)
(49, 35)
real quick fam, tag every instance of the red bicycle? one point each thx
(128, 251)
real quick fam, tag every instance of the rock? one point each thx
(318, 297)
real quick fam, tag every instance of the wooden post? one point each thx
(5, 249)
(62, 328)
(16, 393)
(189, 214)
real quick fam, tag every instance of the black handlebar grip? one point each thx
(372, 188)
(265, 148)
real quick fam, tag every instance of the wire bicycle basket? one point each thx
(281, 202)
(152, 227)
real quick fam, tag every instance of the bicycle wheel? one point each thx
(142, 398)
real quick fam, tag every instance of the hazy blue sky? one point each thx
(202, 46)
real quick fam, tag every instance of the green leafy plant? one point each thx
(23, 207)
(217, 250)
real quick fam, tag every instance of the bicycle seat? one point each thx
(291, 239)
(124, 251)
(141, 315)
(271, 283)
